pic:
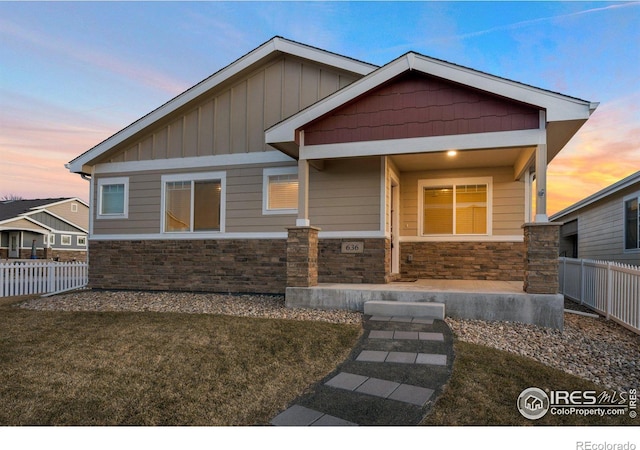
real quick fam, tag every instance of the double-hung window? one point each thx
(113, 198)
(193, 202)
(455, 207)
(632, 222)
(280, 190)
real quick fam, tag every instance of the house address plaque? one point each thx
(352, 247)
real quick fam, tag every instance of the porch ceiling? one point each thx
(462, 160)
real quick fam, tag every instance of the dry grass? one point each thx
(486, 383)
(73, 368)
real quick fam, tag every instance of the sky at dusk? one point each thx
(74, 73)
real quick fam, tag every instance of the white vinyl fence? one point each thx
(41, 277)
(609, 288)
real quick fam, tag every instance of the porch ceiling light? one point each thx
(452, 153)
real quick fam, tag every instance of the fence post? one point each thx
(582, 281)
(1, 280)
(609, 299)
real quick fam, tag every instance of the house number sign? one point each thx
(352, 247)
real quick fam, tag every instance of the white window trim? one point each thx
(269, 172)
(435, 182)
(81, 241)
(74, 207)
(626, 198)
(52, 239)
(222, 176)
(67, 238)
(108, 181)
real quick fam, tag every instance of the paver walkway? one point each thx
(392, 377)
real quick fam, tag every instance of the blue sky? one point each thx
(74, 73)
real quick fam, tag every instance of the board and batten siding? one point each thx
(232, 118)
(601, 229)
(508, 198)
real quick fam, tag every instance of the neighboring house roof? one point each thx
(14, 212)
(10, 209)
(269, 49)
(570, 111)
(604, 193)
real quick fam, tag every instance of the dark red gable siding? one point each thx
(417, 105)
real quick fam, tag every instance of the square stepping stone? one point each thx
(424, 336)
(332, 421)
(372, 356)
(296, 416)
(348, 381)
(380, 318)
(412, 335)
(381, 334)
(415, 395)
(378, 387)
(401, 357)
(401, 319)
(431, 359)
(423, 320)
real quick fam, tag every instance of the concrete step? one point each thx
(404, 309)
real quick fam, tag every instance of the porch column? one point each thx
(303, 193)
(541, 184)
(302, 257)
(541, 260)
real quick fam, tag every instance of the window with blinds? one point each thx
(113, 198)
(192, 205)
(280, 190)
(455, 208)
(631, 224)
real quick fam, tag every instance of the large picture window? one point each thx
(193, 202)
(631, 224)
(280, 190)
(113, 198)
(455, 207)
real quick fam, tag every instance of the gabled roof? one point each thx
(626, 182)
(276, 45)
(23, 209)
(558, 107)
(10, 209)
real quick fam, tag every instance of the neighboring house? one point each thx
(604, 226)
(294, 165)
(58, 227)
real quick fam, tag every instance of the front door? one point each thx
(14, 245)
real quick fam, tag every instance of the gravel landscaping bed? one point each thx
(592, 348)
(595, 349)
(266, 306)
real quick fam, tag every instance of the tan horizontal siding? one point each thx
(345, 196)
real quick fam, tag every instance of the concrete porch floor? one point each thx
(463, 299)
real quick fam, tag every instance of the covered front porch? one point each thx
(462, 299)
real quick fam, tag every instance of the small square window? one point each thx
(81, 241)
(113, 198)
(65, 239)
(280, 190)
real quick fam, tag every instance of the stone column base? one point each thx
(541, 242)
(302, 256)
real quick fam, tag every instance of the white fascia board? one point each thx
(606, 192)
(70, 199)
(322, 56)
(285, 130)
(274, 45)
(25, 215)
(473, 141)
(194, 162)
(559, 107)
